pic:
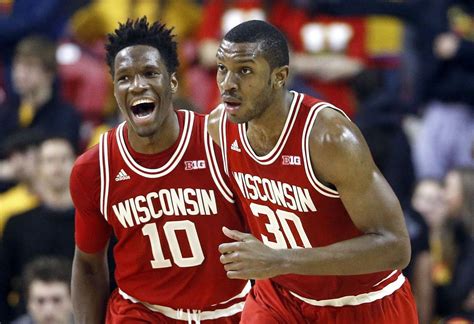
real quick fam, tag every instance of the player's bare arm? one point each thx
(340, 157)
(90, 286)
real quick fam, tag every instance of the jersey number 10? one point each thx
(170, 229)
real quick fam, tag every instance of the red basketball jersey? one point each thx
(167, 211)
(287, 207)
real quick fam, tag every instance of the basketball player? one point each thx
(328, 239)
(155, 183)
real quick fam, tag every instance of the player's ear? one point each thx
(174, 82)
(280, 76)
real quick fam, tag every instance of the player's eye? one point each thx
(220, 68)
(122, 78)
(151, 74)
(246, 70)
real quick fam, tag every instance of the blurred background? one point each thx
(403, 70)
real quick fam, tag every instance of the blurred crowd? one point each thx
(401, 69)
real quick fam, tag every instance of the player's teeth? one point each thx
(141, 101)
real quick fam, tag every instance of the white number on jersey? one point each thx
(273, 227)
(170, 229)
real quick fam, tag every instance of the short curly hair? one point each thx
(140, 32)
(273, 44)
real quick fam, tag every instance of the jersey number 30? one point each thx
(283, 217)
(170, 228)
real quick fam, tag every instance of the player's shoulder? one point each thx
(336, 139)
(327, 119)
(210, 121)
(214, 122)
(85, 174)
(87, 164)
(198, 119)
(323, 113)
(89, 157)
(216, 114)
(308, 101)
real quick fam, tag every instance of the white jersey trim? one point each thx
(318, 185)
(214, 166)
(358, 299)
(386, 278)
(172, 162)
(104, 173)
(242, 294)
(276, 151)
(195, 315)
(223, 139)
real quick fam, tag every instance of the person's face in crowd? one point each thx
(428, 200)
(56, 158)
(24, 163)
(244, 78)
(49, 302)
(29, 75)
(453, 193)
(143, 88)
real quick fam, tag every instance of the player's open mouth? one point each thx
(143, 108)
(231, 104)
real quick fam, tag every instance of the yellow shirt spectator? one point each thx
(17, 200)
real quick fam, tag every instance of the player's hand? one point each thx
(249, 258)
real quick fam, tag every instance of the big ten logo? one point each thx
(291, 160)
(194, 165)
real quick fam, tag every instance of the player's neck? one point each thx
(166, 135)
(264, 131)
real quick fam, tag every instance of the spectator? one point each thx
(420, 266)
(38, 105)
(443, 47)
(449, 214)
(446, 139)
(428, 201)
(424, 221)
(46, 283)
(45, 230)
(21, 18)
(18, 174)
(457, 297)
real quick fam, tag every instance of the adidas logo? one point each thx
(122, 175)
(235, 147)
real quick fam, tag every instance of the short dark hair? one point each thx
(48, 269)
(273, 44)
(21, 141)
(140, 32)
(40, 47)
